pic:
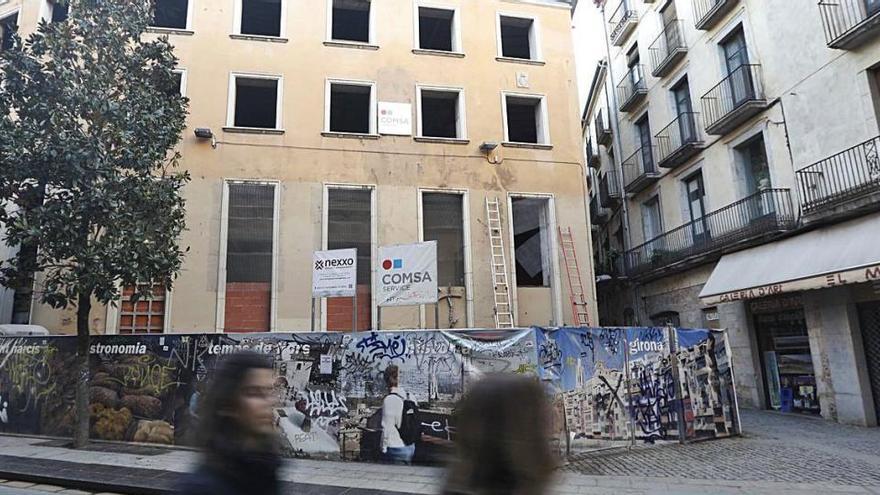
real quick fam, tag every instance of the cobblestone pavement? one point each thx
(774, 447)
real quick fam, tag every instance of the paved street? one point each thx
(777, 455)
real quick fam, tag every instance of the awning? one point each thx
(846, 253)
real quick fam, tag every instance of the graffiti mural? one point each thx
(608, 386)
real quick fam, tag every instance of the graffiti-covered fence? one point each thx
(609, 386)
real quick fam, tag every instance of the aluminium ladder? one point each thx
(501, 288)
(579, 309)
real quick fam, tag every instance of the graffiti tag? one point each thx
(379, 347)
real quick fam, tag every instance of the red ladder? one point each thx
(579, 308)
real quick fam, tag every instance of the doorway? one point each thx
(869, 322)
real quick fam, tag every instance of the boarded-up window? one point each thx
(146, 315)
(531, 242)
(349, 225)
(443, 221)
(249, 249)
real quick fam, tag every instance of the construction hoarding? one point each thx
(607, 385)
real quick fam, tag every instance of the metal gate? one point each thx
(869, 320)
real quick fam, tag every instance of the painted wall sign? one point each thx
(407, 274)
(395, 118)
(334, 273)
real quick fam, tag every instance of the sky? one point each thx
(589, 45)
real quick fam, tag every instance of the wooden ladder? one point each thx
(579, 308)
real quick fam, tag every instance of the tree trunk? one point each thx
(81, 425)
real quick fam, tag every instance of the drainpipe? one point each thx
(611, 101)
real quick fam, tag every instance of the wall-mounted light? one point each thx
(206, 133)
(488, 148)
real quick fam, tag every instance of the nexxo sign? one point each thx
(335, 273)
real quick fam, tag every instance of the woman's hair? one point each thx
(502, 438)
(392, 376)
(218, 429)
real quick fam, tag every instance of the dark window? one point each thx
(436, 29)
(753, 156)
(8, 27)
(261, 17)
(516, 37)
(176, 87)
(443, 221)
(59, 11)
(256, 103)
(349, 225)
(440, 114)
(350, 108)
(523, 119)
(531, 242)
(351, 20)
(170, 14)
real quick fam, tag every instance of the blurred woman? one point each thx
(237, 431)
(502, 439)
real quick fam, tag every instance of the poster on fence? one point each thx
(608, 386)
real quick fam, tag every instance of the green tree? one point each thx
(90, 114)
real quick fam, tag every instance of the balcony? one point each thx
(609, 267)
(668, 49)
(679, 141)
(639, 170)
(623, 22)
(707, 13)
(733, 101)
(849, 23)
(632, 90)
(746, 222)
(843, 185)
(603, 131)
(592, 155)
(598, 215)
(609, 190)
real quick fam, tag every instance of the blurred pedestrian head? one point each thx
(502, 439)
(392, 376)
(237, 411)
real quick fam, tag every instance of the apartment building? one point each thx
(736, 180)
(326, 124)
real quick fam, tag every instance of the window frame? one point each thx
(183, 72)
(466, 240)
(461, 121)
(189, 20)
(238, 10)
(543, 123)
(374, 241)
(371, 29)
(328, 89)
(220, 316)
(456, 26)
(536, 52)
(233, 96)
(10, 13)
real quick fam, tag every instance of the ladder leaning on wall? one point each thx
(579, 308)
(501, 288)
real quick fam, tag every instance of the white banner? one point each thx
(395, 118)
(334, 273)
(407, 274)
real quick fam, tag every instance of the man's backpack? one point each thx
(410, 428)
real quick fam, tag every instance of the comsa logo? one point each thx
(400, 277)
(336, 263)
(395, 264)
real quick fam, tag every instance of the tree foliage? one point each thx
(90, 114)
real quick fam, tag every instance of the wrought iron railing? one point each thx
(765, 212)
(621, 15)
(638, 165)
(741, 86)
(671, 39)
(603, 131)
(633, 83)
(839, 17)
(611, 265)
(609, 190)
(682, 131)
(597, 213)
(841, 177)
(704, 8)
